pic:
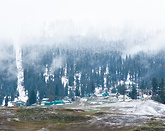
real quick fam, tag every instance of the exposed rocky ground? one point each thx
(135, 115)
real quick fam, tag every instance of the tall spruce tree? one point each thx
(32, 97)
(6, 100)
(57, 91)
(71, 94)
(161, 92)
(154, 86)
(121, 89)
(142, 85)
(66, 90)
(134, 92)
(77, 92)
(92, 86)
(113, 90)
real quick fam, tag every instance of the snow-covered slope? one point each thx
(134, 113)
(20, 88)
(148, 107)
(137, 107)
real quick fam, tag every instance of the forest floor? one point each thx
(86, 116)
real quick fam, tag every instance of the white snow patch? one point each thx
(46, 75)
(83, 99)
(107, 70)
(128, 82)
(10, 104)
(138, 107)
(98, 91)
(99, 70)
(65, 81)
(22, 95)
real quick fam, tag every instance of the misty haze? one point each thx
(82, 65)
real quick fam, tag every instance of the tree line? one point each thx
(94, 68)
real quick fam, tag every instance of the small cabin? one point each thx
(19, 104)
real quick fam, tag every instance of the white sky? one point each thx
(16, 16)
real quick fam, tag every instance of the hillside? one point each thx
(135, 115)
(53, 72)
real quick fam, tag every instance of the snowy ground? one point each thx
(123, 114)
(137, 107)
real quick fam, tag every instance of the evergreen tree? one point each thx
(57, 91)
(134, 92)
(1, 96)
(154, 86)
(6, 100)
(59, 88)
(92, 86)
(157, 98)
(142, 86)
(121, 89)
(71, 79)
(77, 93)
(161, 85)
(51, 94)
(113, 90)
(162, 91)
(32, 98)
(71, 94)
(82, 91)
(66, 90)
